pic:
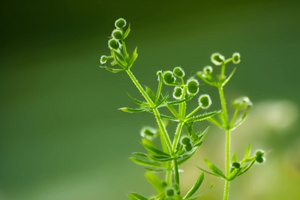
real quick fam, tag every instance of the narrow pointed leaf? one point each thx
(203, 116)
(214, 169)
(155, 182)
(195, 187)
(150, 93)
(132, 110)
(229, 77)
(136, 101)
(153, 150)
(127, 32)
(135, 196)
(145, 162)
(248, 151)
(113, 70)
(234, 158)
(234, 174)
(207, 172)
(245, 169)
(133, 58)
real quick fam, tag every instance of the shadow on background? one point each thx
(62, 137)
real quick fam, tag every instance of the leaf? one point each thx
(113, 70)
(145, 162)
(234, 174)
(203, 116)
(246, 168)
(138, 102)
(207, 172)
(127, 32)
(150, 93)
(188, 155)
(234, 158)
(133, 110)
(168, 117)
(153, 150)
(214, 169)
(119, 59)
(136, 196)
(248, 151)
(133, 58)
(195, 187)
(229, 77)
(155, 182)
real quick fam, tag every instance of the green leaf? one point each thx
(153, 150)
(195, 187)
(234, 158)
(119, 59)
(138, 102)
(155, 182)
(133, 110)
(150, 93)
(203, 116)
(113, 70)
(136, 196)
(229, 77)
(168, 117)
(246, 168)
(133, 58)
(207, 171)
(127, 32)
(214, 169)
(184, 157)
(248, 151)
(234, 174)
(145, 162)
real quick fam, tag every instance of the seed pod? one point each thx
(204, 101)
(185, 140)
(170, 191)
(117, 34)
(236, 165)
(178, 71)
(236, 58)
(217, 59)
(192, 86)
(259, 156)
(259, 159)
(148, 133)
(207, 70)
(120, 23)
(188, 147)
(113, 44)
(177, 93)
(169, 77)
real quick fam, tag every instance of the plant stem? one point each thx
(155, 111)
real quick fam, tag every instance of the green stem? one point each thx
(155, 110)
(223, 105)
(227, 155)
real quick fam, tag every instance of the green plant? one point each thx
(163, 158)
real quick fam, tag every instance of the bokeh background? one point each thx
(61, 135)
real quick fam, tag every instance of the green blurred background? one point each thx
(61, 135)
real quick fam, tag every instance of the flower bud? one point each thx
(236, 58)
(188, 147)
(148, 133)
(217, 59)
(120, 23)
(259, 156)
(204, 101)
(207, 70)
(170, 191)
(236, 165)
(103, 59)
(169, 77)
(177, 92)
(117, 34)
(178, 71)
(192, 86)
(113, 44)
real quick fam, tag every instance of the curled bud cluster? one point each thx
(207, 70)
(204, 101)
(178, 71)
(113, 44)
(120, 23)
(117, 34)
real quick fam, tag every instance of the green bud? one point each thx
(236, 165)
(207, 70)
(177, 92)
(169, 77)
(188, 147)
(148, 133)
(120, 23)
(170, 191)
(192, 86)
(259, 156)
(241, 102)
(204, 101)
(236, 58)
(113, 44)
(178, 71)
(117, 34)
(217, 59)
(103, 59)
